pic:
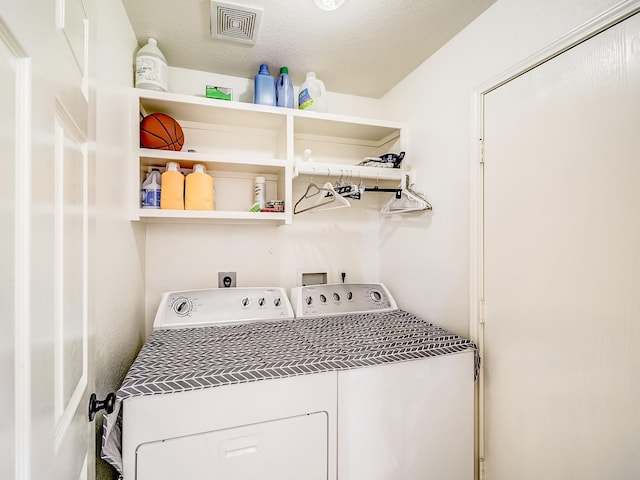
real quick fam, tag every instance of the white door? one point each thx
(45, 239)
(562, 265)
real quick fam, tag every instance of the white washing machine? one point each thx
(406, 405)
(230, 385)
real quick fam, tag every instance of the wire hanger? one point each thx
(324, 196)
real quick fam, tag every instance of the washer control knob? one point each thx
(261, 301)
(349, 296)
(375, 295)
(245, 302)
(323, 299)
(308, 300)
(182, 306)
(277, 301)
(336, 297)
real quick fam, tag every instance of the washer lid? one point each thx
(222, 306)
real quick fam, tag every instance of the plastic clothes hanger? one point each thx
(329, 197)
(408, 201)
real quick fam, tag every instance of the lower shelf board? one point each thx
(210, 216)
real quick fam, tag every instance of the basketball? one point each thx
(161, 132)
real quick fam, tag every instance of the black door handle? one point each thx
(96, 405)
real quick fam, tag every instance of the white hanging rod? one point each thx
(337, 170)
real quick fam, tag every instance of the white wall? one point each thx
(189, 256)
(193, 82)
(425, 261)
(120, 269)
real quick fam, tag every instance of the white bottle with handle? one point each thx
(313, 94)
(151, 67)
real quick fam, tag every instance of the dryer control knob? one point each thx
(182, 306)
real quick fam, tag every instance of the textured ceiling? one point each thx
(364, 48)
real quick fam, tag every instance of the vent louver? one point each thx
(234, 22)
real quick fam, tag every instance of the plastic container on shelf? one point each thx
(151, 189)
(284, 89)
(313, 94)
(151, 67)
(198, 190)
(264, 87)
(259, 188)
(172, 196)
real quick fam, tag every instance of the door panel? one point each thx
(72, 237)
(562, 265)
(9, 66)
(46, 239)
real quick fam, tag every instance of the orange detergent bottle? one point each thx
(198, 193)
(172, 194)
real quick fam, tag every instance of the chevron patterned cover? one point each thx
(179, 360)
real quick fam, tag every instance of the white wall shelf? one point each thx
(238, 141)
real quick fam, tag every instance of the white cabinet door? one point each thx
(45, 239)
(562, 265)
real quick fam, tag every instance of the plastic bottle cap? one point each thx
(173, 166)
(152, 41)
(311, 75)
(199, 168)
(264, 69)
(260, 180)
(284, 70)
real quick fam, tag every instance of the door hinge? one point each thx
(482, 312)
(482, 150)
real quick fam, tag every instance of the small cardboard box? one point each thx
(221, 93)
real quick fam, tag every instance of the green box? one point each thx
(221, 93)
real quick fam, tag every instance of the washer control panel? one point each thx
(220, 306)
(340, 298)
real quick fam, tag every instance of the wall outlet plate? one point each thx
(226, 279)
(312, 278)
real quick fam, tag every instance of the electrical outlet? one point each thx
(226, 279)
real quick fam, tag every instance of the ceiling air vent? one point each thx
(235, 22)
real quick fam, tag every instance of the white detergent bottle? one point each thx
(151, 190)
(313, 94)
(151, 67)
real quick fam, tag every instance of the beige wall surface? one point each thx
(120, 245)
(425, 261)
